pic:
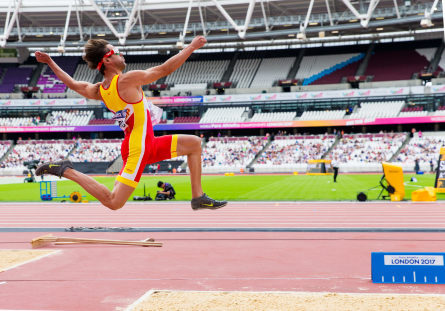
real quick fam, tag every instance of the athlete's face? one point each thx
(117, 60)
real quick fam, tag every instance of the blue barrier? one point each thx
(408, 268)
(333, 68)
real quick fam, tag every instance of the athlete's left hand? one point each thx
(198, 42)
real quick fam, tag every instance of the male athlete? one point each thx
(123, 95)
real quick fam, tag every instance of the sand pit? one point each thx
(246, 301)
(12, 258)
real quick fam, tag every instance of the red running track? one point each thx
(235, 215)
(105, 277)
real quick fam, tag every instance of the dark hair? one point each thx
(95, 50)
(160, 183)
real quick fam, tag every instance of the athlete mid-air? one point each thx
(123, 95)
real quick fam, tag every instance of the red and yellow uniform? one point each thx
(139, 147)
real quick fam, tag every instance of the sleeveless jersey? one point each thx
(129, 115)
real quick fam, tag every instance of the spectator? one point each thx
(169, 168)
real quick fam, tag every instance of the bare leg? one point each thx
(112, 199)
(190, 146)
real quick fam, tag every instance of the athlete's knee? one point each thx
(113, 204)
(198, 143)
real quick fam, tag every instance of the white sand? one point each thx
(246, 301)
(11, 258)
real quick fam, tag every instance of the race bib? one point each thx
(121, 117)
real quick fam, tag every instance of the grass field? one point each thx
(240, 187)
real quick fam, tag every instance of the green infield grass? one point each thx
(239, 187)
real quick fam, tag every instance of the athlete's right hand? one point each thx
(42, 57)
(198, 42)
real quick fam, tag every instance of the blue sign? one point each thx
(408, 268)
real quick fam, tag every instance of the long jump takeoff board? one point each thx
(408, 268)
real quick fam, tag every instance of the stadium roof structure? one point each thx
(149, 24)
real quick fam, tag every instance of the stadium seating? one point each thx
(15, 76)
(70, 118)
(395, 65)
(96, 151)
(102, 122)
(413, 112)
(272, 69)
(50, 82)
(244, 71)
(273, 116)
(193, 72)
(230, 154)
(29, 121)
(223, 115)
(387, 109)
(440, 111)
(428, 53)
(313, 68)
(42, 150)
(291, 153)
(322, 115)
(186, 120)
(362, 153)
(4, 147)
(425, 149)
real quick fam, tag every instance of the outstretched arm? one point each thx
(143, 77)
(85, 89)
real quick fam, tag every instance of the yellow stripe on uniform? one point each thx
(174, 146)
(137, 140)
(126, 181)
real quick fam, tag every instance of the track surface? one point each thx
(235, 215)
(105, 277)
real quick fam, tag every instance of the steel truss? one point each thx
(127, 16)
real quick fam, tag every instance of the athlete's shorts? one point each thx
(137, 155)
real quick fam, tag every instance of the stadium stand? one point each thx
(440, 111)
(226, 154)
(96, 151)
(195, 72)
(322, 115)
(313, 68)
(222, 115)
(70, 118)
(291, 153)
(413, 112)
(387, 109)
(15, 76)
(244, 71)
(186, 120)
(102, 122)
(49, 81)
(366, 152)
(42, 150)
(273, 116)
(425, 149)
(428, 53)
(4, 147)
(29, 121)
(272, 69)
(395, 65)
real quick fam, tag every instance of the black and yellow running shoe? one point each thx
(56, 168)
(204, 202)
